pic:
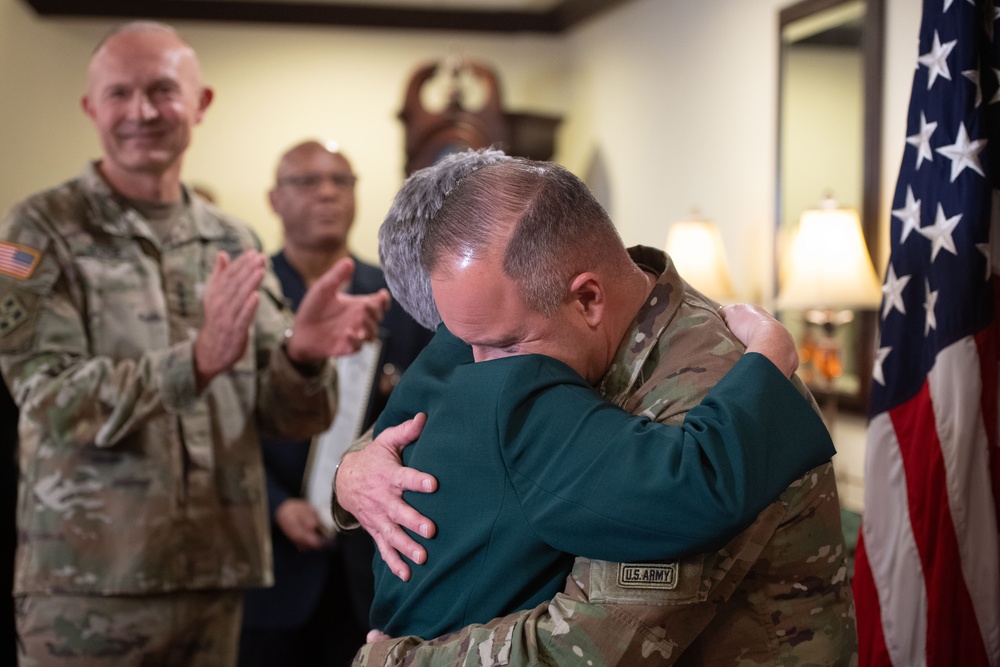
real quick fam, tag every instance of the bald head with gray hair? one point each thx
(540, 220)
(413, 210)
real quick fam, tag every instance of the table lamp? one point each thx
(828, 273)
(695, 246)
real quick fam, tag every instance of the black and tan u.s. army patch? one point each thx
(17, 261)
(660, 576)
(12, 314)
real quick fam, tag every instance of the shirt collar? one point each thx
(109, 214)
(653, 317)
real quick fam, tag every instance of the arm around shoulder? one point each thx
(652, 491)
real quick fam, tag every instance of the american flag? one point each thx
(927, 568)
(17, 261)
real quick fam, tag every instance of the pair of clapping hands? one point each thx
(328, 323)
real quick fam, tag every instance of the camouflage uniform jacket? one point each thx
(776, 594)
(132, 482)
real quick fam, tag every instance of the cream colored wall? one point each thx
(680, 100)
(677, 97)
(274, 86)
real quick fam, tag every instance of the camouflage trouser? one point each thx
(185, 629)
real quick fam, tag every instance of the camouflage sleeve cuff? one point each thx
(317, 375)
(293, 405)
(342, 519)
(307, 369)
(178, 385)
(388, 653)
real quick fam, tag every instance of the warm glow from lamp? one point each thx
(828, 265)
(696, 249)
(828, 273)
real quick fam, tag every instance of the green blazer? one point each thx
(534, 468)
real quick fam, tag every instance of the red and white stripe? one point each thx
(928, 560)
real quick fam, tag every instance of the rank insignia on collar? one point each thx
(17, 261)
(12, 314)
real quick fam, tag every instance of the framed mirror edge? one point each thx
(873, 59)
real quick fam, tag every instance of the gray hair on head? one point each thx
(541, 220)
(412, 212)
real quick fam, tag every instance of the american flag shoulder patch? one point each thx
(18, 261)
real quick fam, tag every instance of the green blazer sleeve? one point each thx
(595, 481)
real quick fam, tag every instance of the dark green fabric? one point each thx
(533, 466)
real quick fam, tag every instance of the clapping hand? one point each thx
(330, 323)
(230, 304)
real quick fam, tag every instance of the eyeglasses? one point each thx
(313, 181)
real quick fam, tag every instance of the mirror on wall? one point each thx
(829, 102)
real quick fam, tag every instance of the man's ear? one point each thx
(87, 106)
(205, 97)
(272, 199)
(589, 298)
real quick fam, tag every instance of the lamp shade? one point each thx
(828, 265)
(696, 249)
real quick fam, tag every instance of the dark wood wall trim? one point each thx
(571, 12)
(563, 16)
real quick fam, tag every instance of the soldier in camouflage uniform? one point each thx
(145, 343)
(776, 594)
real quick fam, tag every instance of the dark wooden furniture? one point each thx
(432, 134)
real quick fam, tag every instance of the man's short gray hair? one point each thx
(412, 212)
(543, 221)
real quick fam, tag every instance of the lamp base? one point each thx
(819, 357)
(820, 364)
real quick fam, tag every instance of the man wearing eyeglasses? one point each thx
(317, 611)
